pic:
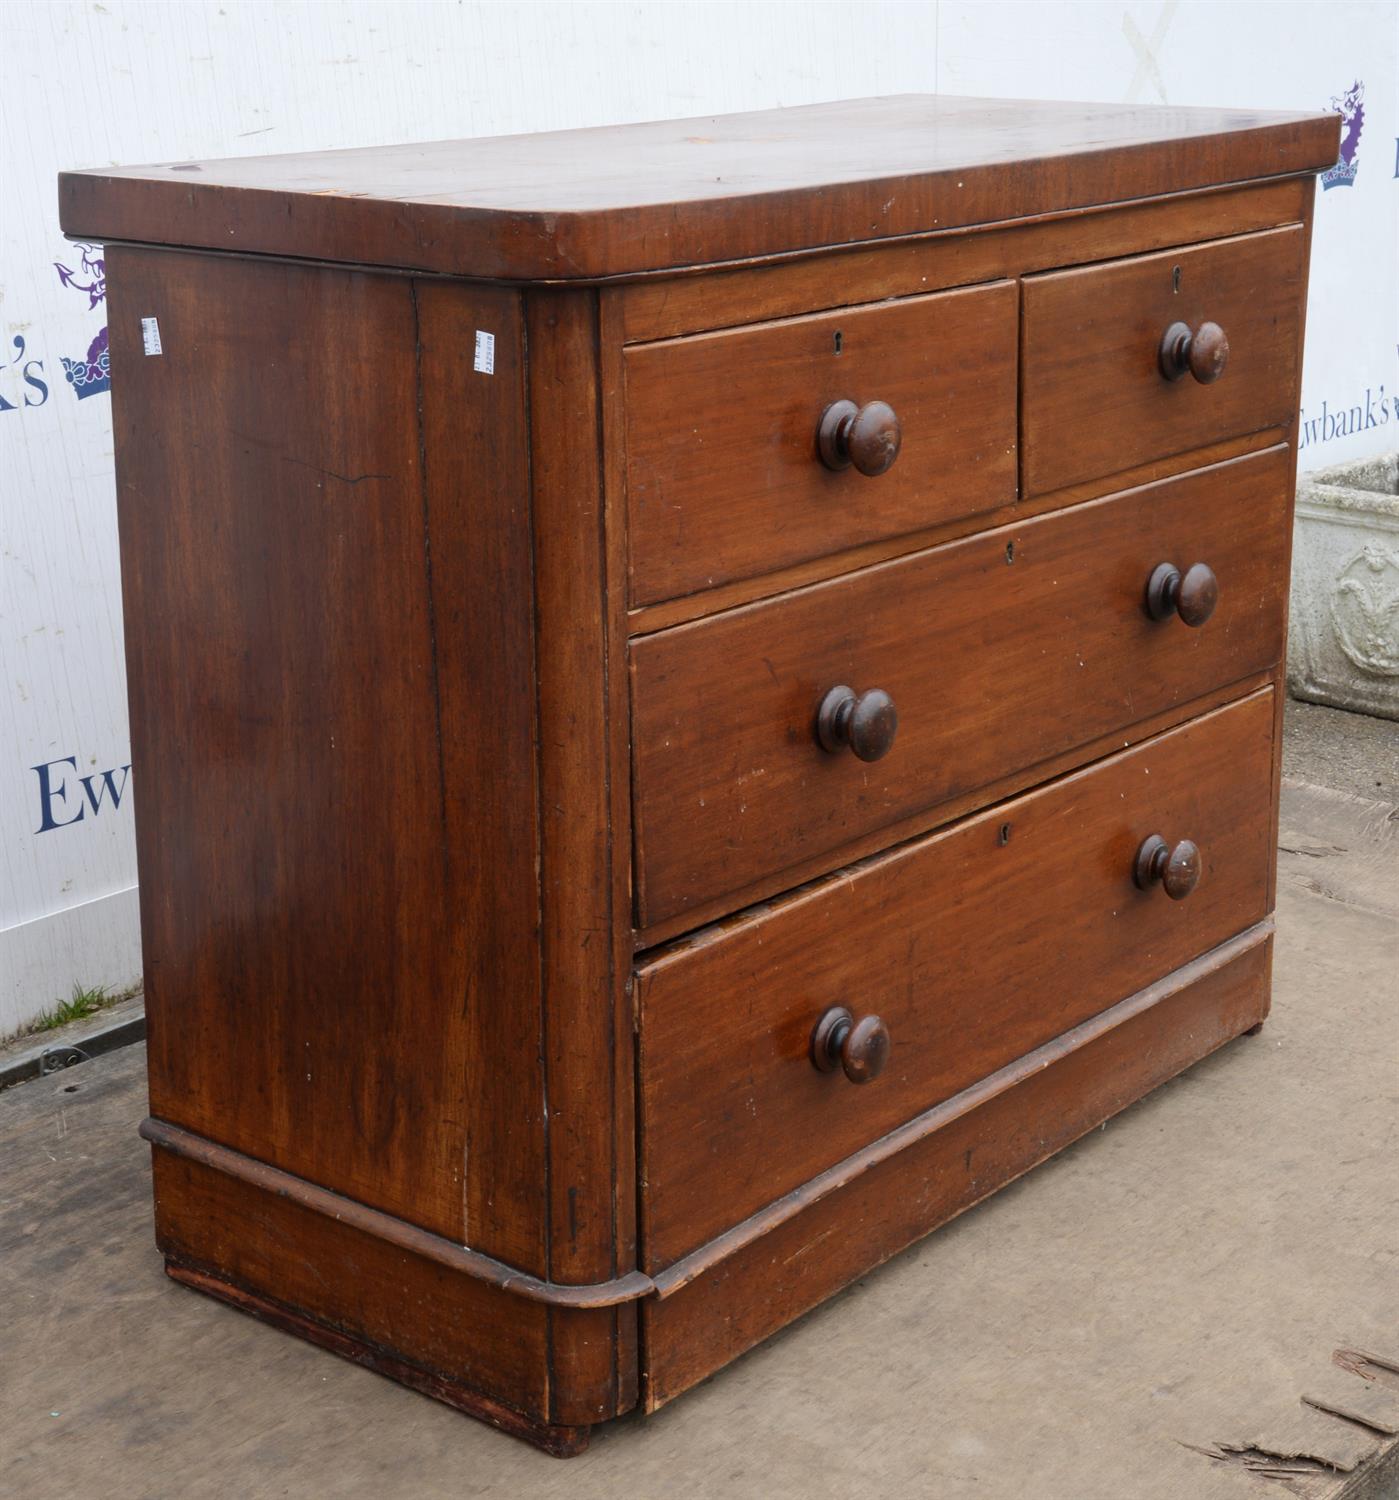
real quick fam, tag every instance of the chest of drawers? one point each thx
(704, 696)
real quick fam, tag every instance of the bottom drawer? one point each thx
(973, 946)
(714, 1305)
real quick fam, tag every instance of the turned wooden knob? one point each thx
(1192, 597)
(1202, 353)
(866, 436)
(859, 1048)
(1176, 870)
(865, 724)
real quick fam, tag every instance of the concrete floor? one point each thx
(1175, 1281)
(1346, 752)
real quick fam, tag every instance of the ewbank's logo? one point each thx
(1351, 108)
(93, 375)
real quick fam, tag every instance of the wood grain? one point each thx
(461, 1260)
(666, 307)
(804, 1259)
(624, 1205)
(476, 519)
(974, 946)
(449, 1325)
(729, 909)
(309, 884)
(1095, 400)
(560, 1442)
(588, 1053)
(998, 651)
(648, 618)
(675, 193)
(723, 477)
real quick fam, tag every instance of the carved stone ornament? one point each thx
(1365, 610)
(1343, 633)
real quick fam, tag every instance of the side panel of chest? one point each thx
(326, 571)
(366, 575)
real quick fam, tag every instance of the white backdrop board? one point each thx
(84, 84)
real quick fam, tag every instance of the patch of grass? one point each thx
(82, 1002)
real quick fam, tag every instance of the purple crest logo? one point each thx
(1351, 108)
(92, 375)
(94, 267)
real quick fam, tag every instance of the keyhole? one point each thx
(1003, 835)
(840, 339)
(1175, 279)
(1010, 552)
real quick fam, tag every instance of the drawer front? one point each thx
(973, 946)
(725, 477)
(1097, 400)
(999, 652)
(809, 1251)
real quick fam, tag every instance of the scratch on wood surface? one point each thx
(809, 1246)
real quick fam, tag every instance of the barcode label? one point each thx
(485, 352)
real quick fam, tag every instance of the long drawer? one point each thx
(786, 1259)
(725, 475)
(972, 946)
(998, 652)
(1102, 395)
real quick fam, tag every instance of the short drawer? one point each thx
(972, 946)
(725, 473)
(998, 652)
(1101, 396)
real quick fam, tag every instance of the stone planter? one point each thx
(1343, 639)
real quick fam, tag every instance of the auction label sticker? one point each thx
(150, 336)
(485, 352)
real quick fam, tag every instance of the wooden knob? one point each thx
(865, 724)
(1176, 870)
(859, 1048)
(1202, 353)
(1193, 597)
(866, 436)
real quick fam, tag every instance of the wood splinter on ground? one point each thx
(1360, 1400)
(1305, 1433)
(1341, 1432)
(1381, 1367)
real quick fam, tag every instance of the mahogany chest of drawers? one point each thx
(705, 695)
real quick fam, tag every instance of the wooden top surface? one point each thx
(623, 200)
